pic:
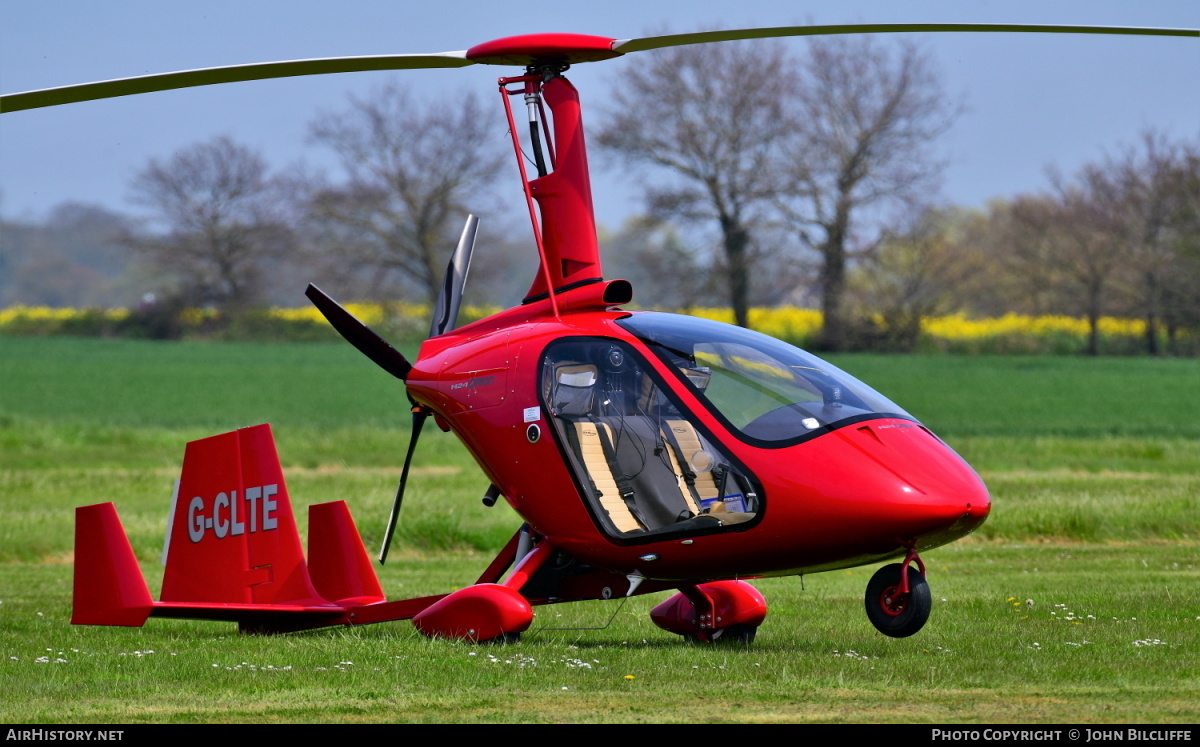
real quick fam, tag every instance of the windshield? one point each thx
(764, 388)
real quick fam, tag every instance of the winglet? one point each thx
(109, 586)
(337, 560)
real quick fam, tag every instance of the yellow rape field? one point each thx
(16, 314)
(958, 327)
(953, 333)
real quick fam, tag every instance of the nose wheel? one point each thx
(891, 609)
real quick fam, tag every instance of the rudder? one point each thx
(233, 536)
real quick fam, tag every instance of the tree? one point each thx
(866, 117)
(410, 168)
(73, 257)
(711, 117)
(914, 273)
(663, 270)
(1157, 180)
(1079, 227)
(223, 222)
(1181, 301)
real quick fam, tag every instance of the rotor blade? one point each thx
(588, 52)
(419, 417)
(676, 40)
(360, 335)
(107, 89)
(445, 316)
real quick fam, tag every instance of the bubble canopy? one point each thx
(769, 392)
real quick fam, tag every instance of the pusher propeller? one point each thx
(389, 359)
(450, 298)
(419, 416)
(360, 335)
(445, 317)
(373, 346)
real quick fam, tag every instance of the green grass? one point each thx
(1124, 655)
(209, 385)
(1093, 466)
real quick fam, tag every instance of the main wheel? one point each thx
(739, 634)
(895, 614)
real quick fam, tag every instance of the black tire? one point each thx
(740, 634)
(893, 614)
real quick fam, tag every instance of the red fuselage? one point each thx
(856, 494)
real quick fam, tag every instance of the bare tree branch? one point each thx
(222, 214)
(711, 116)
(866, 118)
(410, 168)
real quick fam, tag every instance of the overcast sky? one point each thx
(1032, 100)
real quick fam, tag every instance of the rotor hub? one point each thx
(542, 49)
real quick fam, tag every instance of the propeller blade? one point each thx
(107, 89)
(675, 40)
(445, 316)
(360, 335)
(419, 416)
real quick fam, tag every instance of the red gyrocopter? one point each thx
(644, 451)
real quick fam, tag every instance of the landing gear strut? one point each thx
(898, 606)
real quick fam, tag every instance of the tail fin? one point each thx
(233, 551)
(337, 560)
(109, 586)
(233, 537)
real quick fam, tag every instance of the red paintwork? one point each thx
(565, 197)
(701, 609)
(529, 49)
(530, 87)
(851, 497)
(259, 560)
(108, 587)
(477, 613)
(909, 558)
(529, 566)
(863, 493)
(894, 600)
(337, 560)
(258, 578)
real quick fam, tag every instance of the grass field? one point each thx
(1077, 602)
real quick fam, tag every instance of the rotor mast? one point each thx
(566, 231)
(564, 223)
